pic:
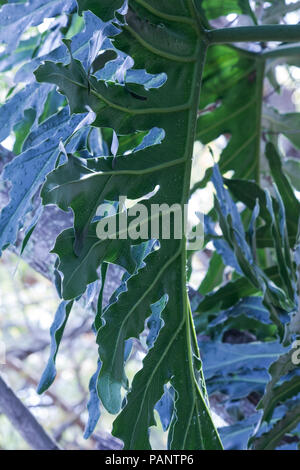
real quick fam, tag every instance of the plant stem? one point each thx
(22, 420)
(286, 50)
(286, 33)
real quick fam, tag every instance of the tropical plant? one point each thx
(108, 101)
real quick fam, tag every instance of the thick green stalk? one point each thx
(280, 33)
(191, 341)
(286, 50)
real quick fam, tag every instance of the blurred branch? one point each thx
(22, 420)
(286, 33)
(40, 345)
(103, 441)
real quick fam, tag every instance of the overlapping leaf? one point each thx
(232, 91)
(281, 216)
(56, 332)
(34, 163)
(15, 18)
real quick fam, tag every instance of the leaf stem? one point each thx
(286, 33)
(286, 50)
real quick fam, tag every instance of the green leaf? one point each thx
(276, 394)
(233, 232)
(249, 192)
(81, 270)
(232, 292)
(291, 167)
(28, 171)
(273, 437)
(232, 357)
(239, 384)
(105, 9)
(85, 185)
(281, 393)
(232, 87)
(56, 333)
(144, 390)
(22, 129)
(16, 17)
(214, 275)
(291, 203)
(251, 307)
(93, 405)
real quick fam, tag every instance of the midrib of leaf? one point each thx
(185, 322)
(166, 16)
(151, 169)
(149, 288)
(159, 52)
(239, 379)
(153, 373)
(241, 357)
(127, 110)
(197, 79)
(188, 321)
(196, 390)
(186, 317)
